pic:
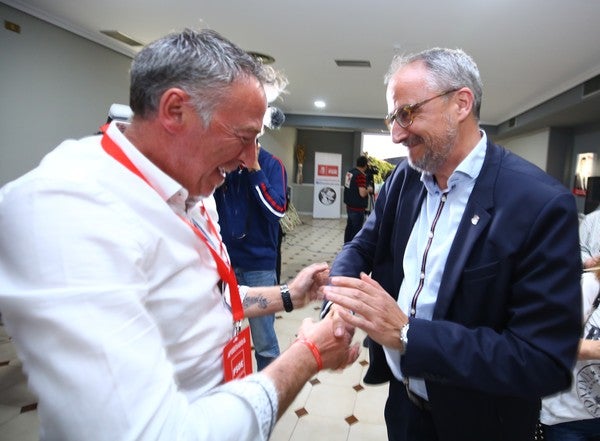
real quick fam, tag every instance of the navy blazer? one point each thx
(507, 320)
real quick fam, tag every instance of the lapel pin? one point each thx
(475, 219)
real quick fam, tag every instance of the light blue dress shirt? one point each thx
(429, 245)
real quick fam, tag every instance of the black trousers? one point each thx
(405, 421)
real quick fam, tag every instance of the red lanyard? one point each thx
(213, 230)
(224, 269)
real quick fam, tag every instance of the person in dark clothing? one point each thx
(356, 194)
(250, 204)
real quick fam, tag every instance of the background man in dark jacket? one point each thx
(356, 194)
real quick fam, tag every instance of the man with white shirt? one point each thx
(116, 287)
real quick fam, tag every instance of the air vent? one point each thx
(9, 25)
(512, 122)
(263, 58)
(353, 63)
(591, 86)
(122, 38)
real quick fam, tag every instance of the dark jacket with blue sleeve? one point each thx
(250, 205)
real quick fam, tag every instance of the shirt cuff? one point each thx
(259, 392)
(325, 309)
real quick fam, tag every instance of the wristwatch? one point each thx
(404, 338)
(286, 298)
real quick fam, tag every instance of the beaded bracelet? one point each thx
(315, 351)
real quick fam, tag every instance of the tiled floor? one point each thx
(333, 406)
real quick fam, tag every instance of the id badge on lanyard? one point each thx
(237, 361)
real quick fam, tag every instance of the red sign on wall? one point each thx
(328, 170)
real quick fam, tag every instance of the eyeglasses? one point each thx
(404, 115)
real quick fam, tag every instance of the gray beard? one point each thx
(437, 152)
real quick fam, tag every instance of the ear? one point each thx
(465, 101)
(173, 110)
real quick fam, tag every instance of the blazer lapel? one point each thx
(407, 211)
(473, 223)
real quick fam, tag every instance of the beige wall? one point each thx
(532, 146)
(281, 143)
(53, 85)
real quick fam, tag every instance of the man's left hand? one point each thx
(305, 286)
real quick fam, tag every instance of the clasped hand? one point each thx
(363, 303)
(305, 286)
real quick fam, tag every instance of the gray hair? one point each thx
(448, 69)
(203, 64)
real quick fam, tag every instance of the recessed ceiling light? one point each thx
(319, 104)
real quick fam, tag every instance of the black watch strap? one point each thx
(287, 299)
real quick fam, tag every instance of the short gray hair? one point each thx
(202, 63)
(448, 69)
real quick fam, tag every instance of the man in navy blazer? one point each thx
(473, 299)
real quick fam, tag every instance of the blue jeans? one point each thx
(581, 430)
(262, 329)
(355, 221)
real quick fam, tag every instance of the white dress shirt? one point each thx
(113, 304)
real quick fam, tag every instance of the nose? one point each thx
(399, 134)
(249, 153)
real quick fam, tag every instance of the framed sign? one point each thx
(326, 201)
(583, 170)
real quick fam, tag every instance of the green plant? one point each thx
(384, 168)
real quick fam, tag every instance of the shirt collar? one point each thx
(168, 189)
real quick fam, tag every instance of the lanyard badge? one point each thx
(237, 362)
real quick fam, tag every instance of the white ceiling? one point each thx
(528, 51)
